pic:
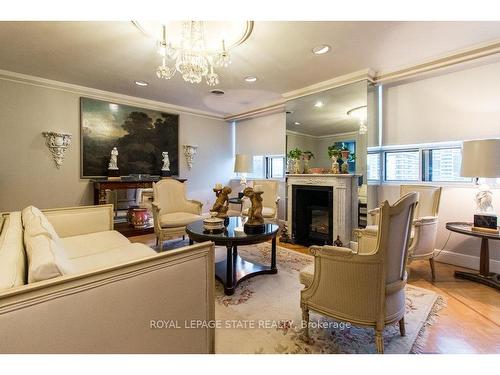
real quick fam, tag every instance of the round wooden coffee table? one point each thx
(484, 276)
(234, 269)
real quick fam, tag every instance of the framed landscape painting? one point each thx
(140, 135)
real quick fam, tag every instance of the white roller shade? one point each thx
(451, 107)
(264, 135)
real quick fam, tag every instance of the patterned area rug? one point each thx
(264, 315)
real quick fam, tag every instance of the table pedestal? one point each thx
(484, 276)
(234, 269)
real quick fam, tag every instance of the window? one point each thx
(443, 165)
(276, 167)
(373, 170)
(259, 170)
(402, 166)
(268, 167)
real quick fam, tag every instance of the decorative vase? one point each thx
(130, 213)
(140, 218)
(335, 165)
(296, 166)
(306, 164)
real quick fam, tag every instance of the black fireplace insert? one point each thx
(312, 215)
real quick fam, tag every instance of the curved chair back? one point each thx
(170, 194)
(429, 198)
(394, 235)
(270, 189)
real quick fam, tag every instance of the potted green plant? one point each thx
(306, 156)
(294, 156)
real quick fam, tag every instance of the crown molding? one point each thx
(360, 75)
(276, 107)
(6, 75)
(458, 57)
(338, 135)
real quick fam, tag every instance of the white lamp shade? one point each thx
(481, 158)
(243, 163)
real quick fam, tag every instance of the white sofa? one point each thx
(102, 293)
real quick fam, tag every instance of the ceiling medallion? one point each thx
(196, 48)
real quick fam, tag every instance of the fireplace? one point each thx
(312, 215)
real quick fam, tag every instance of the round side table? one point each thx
(484, 276)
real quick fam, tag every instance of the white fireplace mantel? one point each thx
(345, 200)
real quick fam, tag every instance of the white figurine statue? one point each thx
(113, 162)
(166, 161)
(484, 200)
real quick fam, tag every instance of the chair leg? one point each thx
(402, 328)
(305, 322)
(433, 269)
(379, 341)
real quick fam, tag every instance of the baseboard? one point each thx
(467, 261)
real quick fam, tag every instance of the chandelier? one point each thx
(195, 49)
(360, 113)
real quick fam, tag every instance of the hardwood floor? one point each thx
(470, 322)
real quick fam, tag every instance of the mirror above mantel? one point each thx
(335, 119)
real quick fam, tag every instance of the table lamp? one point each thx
(243, 164)
(481, 158)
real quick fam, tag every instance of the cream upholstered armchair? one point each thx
(270, 199)
(171, 210)
(425, 225)
(364, 288)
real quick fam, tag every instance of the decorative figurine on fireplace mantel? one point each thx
(221, 205)
(255, 223)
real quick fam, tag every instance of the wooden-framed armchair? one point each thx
(172, 211)
(425, 226)
(364, 288)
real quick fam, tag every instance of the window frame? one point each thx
(422, 149)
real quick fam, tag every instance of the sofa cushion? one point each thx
(92, 243)
(112, 257)
(35, 223)
(178, 219)
(12, 255)
(46, 258)
(306, 276)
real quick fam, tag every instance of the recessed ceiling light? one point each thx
(318, 104)
(217, 92)
(141, 83)
(297, 123)
(251, 79)
(321, 50)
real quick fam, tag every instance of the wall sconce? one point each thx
(57, 144)
(189, 152)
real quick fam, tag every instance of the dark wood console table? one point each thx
(103, 184)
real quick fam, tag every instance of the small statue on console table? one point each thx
(255, 223)
(113, 171)
(221, 205)
(165, 170)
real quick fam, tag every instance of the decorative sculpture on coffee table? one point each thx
(255, 223)
(165, 170)
(57, 143)
(113, 171)
(221, 205)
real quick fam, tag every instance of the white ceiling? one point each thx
(332, 117)
(112, 55)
